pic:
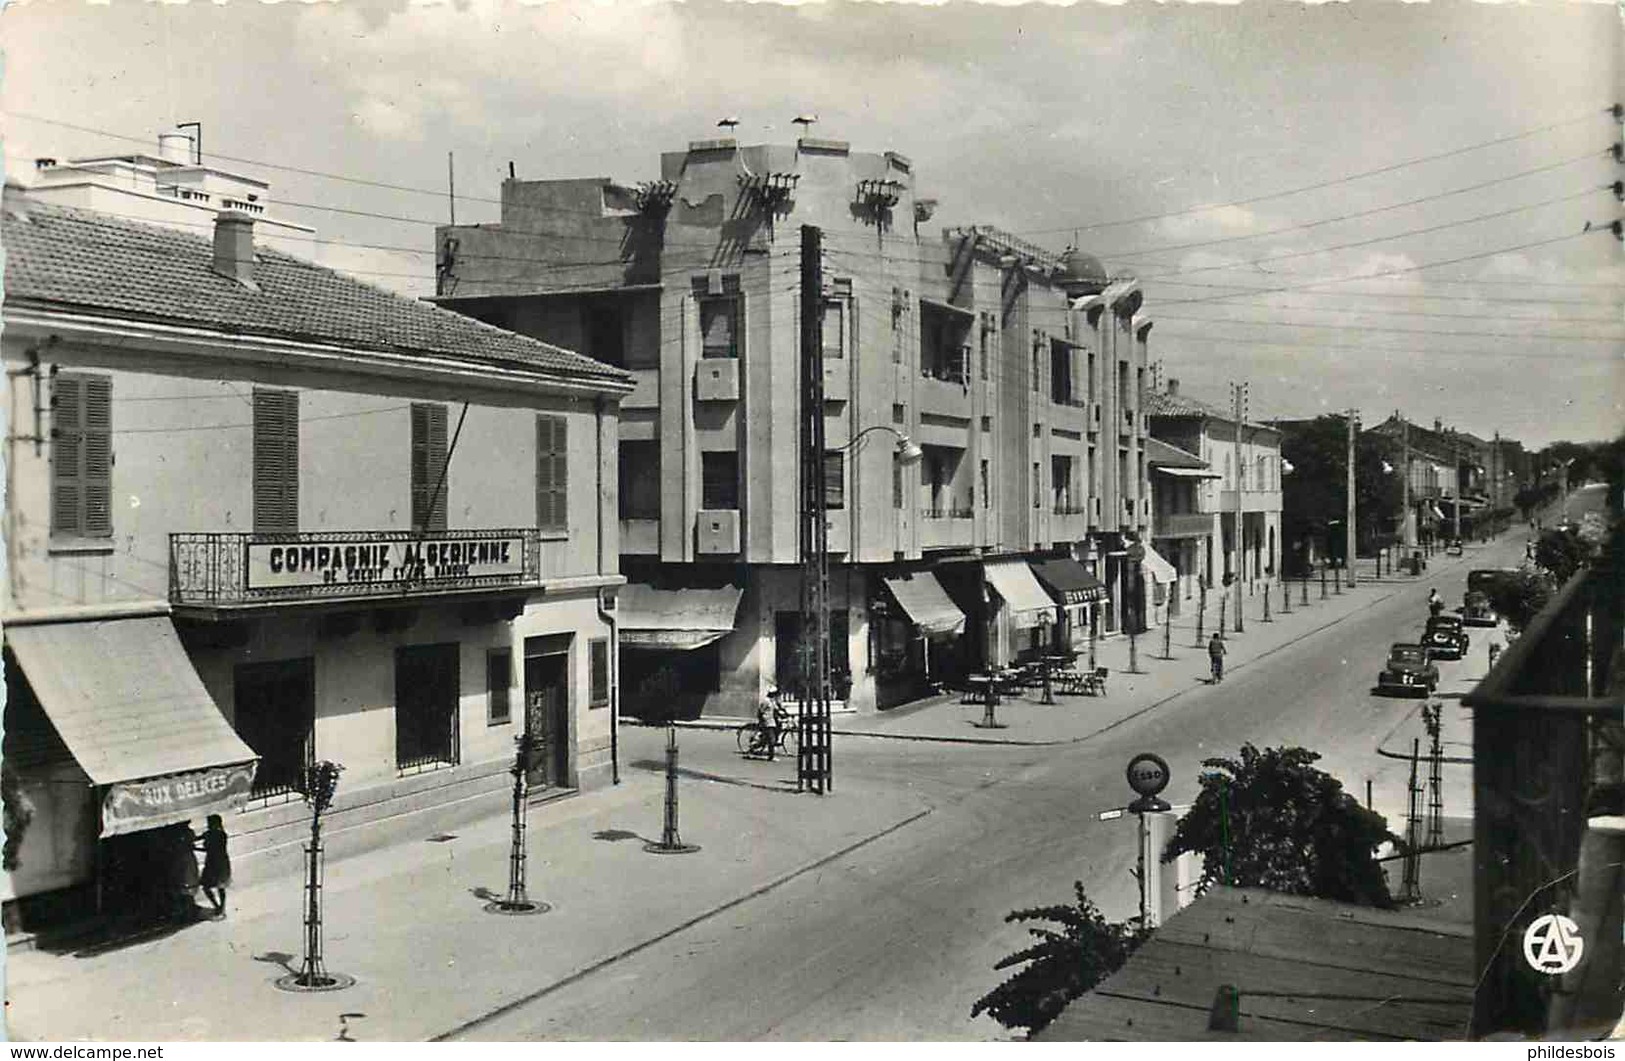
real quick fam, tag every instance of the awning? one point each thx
(675, 618)
(927, 604)
(1069, 581)
(1013, 580)
(1159, 569)
(1187, 473)
(127, 703)
(948, 306)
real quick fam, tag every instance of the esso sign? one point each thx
(1147, 774)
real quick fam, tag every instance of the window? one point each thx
(639, 480)
(276, 461)
(987, 490)
(834, 479)
(82, 456)
(426, 695)
(986, 340)
(834, 328)
(899, 308)
(719, 327)
(274, 712)
(719, 479)
(598, 672)
(1038, 486)
(1060, 373)
(1060, 471)
(430, 484)
(552, 474)
(605, 329)
(498, 682)
(896, 484)
(944, 343)
(1038, 378)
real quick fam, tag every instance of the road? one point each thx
(897, 939)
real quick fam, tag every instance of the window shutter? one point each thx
(429, 470)
(67, 448)
(276, 461)
(552, 475)
(97, 479)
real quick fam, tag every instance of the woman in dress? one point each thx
(216, 864)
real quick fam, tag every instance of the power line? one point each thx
(1323, 184)
(1313, 345)
(1401, 331)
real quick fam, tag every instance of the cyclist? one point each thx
(1215, 655)
(770, 715)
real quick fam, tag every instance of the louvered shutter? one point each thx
(67, 448)
(97, 476)
(430, 483)
(552, 476)
(276, 462)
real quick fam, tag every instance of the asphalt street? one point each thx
(897, 939)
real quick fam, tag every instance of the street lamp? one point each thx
(908, 451)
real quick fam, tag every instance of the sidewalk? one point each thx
(1071, 719)
(408, 921)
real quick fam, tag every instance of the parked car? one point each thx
(1444, 637)
(1476, 611)
(1408, 670)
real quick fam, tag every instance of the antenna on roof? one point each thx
(197, 141)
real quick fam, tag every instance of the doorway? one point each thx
(547, 711)
(274, 712)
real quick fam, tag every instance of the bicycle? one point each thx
(752, 738)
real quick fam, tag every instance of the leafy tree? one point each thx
(1060, 965)
(1271, 820)
(1316, 493)
(1518, 596)
(1560, 553)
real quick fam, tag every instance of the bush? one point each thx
(1561, 552)
(1271, 820)
(1061, 965)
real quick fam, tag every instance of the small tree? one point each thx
(1060, 965)
(1561, 553)
(1518, 596)
(1271, 820)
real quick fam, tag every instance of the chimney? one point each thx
(234, 247)
(1438, 426)
(1173, 388)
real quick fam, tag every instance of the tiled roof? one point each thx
(1165, 455)
(1161, 403)
(92, 261)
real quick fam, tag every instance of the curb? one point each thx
(603, 963)
(1409, 716)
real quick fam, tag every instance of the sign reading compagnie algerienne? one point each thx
(384, 563)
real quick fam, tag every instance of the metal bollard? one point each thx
(671, 842)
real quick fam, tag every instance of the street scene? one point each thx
(813, 523)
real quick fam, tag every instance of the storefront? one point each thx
(1078, 593)
(1023, 613)
(1159, 577)
(117, 748)
(916, 630)
(669, 647)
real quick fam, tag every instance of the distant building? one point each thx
(1252, 550)
(1018, 371)
(1181, 530)
(1446, 468)
(255, 519)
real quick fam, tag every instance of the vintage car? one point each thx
(1444, 637)
(1408, 670)
(1475, 608)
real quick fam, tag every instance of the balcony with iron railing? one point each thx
(1547, 795)
(947, 526)
(1182, 525)
(237, 570)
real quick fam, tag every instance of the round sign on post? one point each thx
(1148, 775)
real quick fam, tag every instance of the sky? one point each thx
(1371, 205)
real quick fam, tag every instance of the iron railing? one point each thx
(210, 568)
(947, 512)
(1546, 727)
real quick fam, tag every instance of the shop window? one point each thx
(276, 461)
(552, 473)
(787, 646)
(498, 686)
(598, 672)
(430, 482)
(719, 479)
(82, 456)
(426, 695)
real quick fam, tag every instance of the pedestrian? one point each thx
(179, 867)
(1435, 602)
(768, 718)
(216, 864)
(1215, 655)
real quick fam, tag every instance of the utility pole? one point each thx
(1348, 559)
(813, 766)
(451, 186)
(1239, 392)
(1455, 458)
(1407, 525)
